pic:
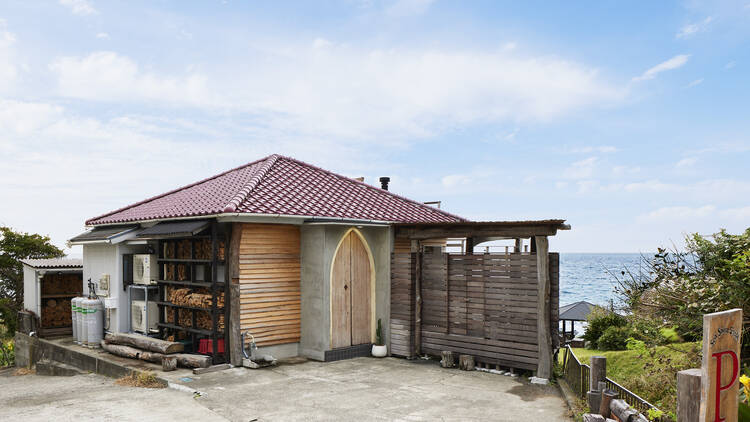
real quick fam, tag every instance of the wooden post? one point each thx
(544, 337)
(416, 247)
(688, 395)
(448, 361)
(597, 374)
(721, 365)
(466, 362)
(517, 248)
(168, 363)
(469, 245)
(233, 255)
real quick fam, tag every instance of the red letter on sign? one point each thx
(719, 387)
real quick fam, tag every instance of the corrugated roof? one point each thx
(175, 228)
(54, 263)
(103, 233)
(284, 186)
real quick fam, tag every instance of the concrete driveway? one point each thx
(363, 389)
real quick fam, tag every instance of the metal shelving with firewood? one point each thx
(192, 291)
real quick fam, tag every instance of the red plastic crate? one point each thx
(206, 346)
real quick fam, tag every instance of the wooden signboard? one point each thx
(721, 366)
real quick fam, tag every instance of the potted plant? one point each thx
(379, 349)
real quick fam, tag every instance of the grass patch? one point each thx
(145, 379)
(650, 373)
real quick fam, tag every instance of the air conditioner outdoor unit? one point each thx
(138, 316)
(145, 269)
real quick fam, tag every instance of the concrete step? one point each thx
(57, 369)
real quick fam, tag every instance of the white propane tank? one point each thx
(74, 317)
(82, 329)
(94, 322)
(78, 319)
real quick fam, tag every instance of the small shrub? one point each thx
(598, 321)
(637, 345)
(670, 335)
(7, 353)
(614, 338)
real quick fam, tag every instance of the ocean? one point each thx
(586, 276)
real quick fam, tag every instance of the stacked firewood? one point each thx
(61, 284)
(153, 350)
(176, 272)
(199, 298)
(203, 249)
(56, 313)
(202, 319)
(183, 249)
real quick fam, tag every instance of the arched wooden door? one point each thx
(351, 308)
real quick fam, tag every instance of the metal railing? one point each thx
(577, 375)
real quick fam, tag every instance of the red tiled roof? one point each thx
(280, 185)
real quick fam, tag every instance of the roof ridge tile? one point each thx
(252, 183)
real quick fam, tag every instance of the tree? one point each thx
(15, 246)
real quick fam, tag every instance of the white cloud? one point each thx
(671, 64)
(401, 8)
(604, 149)
(678, 213)
(356, 93)
(695, 82)
(625, 170)
(102, 36)
(79, 7)
(453, 180)
(107, 75)
(580, 169)
(739, 214)
(686, 162)
(8, 68)
(730, 65)
(691, 29)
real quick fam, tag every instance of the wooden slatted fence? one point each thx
(484, 305)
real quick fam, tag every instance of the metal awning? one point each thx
(174, 229)
(54, 263)
(102, 234)
(577, 311)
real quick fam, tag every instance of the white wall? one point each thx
(30, 290)
(102, 259)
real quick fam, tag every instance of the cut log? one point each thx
(183, 359)
(193, 361)
(448, 361)
(622, 410)
(607, 397)
(591, 417)
(145, 343)
(214, 368)
(466, 362)
(168, 363)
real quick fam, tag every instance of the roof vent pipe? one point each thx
(384, 182)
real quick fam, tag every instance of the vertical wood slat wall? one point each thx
(483, 305)
(269, 269)
(402, 298)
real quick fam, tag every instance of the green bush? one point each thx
(7, 353)
(614, 338)
(599, 320)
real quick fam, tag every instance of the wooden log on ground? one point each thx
(592, 417)
(168, 363)
(145, 343)
(622, 410)
(193, 361)
(183, 359)
(448, 360)
(214, 368)
(466, 362)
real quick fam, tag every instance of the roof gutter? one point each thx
(256, 218)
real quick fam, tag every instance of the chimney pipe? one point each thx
(384, 182)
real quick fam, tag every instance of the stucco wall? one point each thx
(30, 290)
(318, 246)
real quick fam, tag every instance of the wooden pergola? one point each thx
(478, 232)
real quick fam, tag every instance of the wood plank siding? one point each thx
(484, 305)
(269, 268)
(402, 298)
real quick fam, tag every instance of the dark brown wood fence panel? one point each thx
(554, 278)
(402, 302)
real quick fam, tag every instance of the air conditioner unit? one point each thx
(145, 269)
(138, 316)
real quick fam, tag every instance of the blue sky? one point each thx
(630, 120)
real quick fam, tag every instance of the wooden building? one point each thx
(304, 262)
